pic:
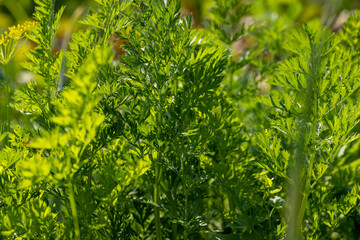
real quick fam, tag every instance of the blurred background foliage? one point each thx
(275, 16)
(17, 11)
(293, 10)
(331, 12)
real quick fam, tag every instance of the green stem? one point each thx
(306, 192)
(174, 224)
(89, 187)
(186, 214)
(301, 175)
(296, 187)
(185, 191)
(157, 201)
(73, 210)
(314, 109)
(7, 107)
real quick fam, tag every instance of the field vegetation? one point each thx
(143, 122)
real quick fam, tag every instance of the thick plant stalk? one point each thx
(296, 187)
(73, 202)
(73, 210)
(300, 185)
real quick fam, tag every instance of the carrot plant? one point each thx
(9, 45)
(144, 127)
(314, 119)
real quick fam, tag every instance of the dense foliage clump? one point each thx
(144, 127)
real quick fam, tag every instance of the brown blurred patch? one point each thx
(119, 51)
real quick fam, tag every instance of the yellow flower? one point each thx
(10, 39)
(18, 31)
(2, 39)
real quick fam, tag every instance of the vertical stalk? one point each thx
(157, 162)
(73, 203)
(185, 190)
(301, 174)
(7, 107)
(50, 37)
(314, 107)
(296, 187)
(157, 200)
(174, 224)
(174, 205)
(186, 213)
(73, 210)
(89, 187)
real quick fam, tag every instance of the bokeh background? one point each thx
(331, 12)
(273, 14)
(17, 11)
